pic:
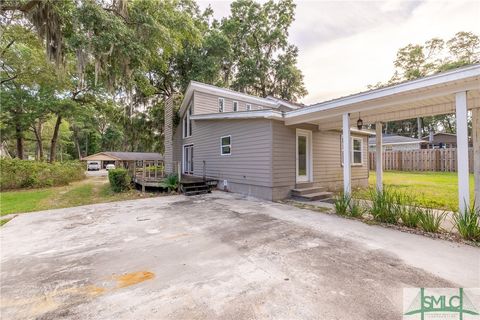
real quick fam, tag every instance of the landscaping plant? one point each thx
(384, 205)
(170, 182)
(467, 223)
(342, 203)
(119, 179)
(355, 209)
(430, 221)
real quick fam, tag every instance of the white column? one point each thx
(476, 153)
(347, 152)
(462, 150)
(379, 156)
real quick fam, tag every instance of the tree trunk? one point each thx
(419, 128)
(19, 137)
(38, 136)
(77, 143)
(53, 146)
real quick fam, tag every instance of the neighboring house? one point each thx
(122, 159)
(392, 142)
(242, 141)
(440, 140)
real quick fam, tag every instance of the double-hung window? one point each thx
(221, 104)
(248, 107)
(226, 145)
(356, 151)
(235, 106)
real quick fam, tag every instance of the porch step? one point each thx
(305, 191)
(324, 195)
(304, 185)
(191, 189)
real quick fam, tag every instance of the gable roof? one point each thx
(269, 101)
(124, 156)
(391, 139)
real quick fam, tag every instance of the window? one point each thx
(226, 147)
(248, 107)
(235, 106)
(221, 103)
(187, 123)
(357, 151)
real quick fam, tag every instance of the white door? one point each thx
(188, 159)
(304, 155)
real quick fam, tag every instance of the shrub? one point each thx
(430, 221)
(119, 179)
(468, 223)
(342, 203)
(170, 182)
(16, 173)
(384, 205)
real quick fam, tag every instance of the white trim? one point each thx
(309, 157)
(183, 156)
(227, 145)
(437, 79)
(223, 105)
(266, 113)
(235, 109)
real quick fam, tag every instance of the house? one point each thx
(440, 140)
(392, 142)
(122, 159)
(242, 141)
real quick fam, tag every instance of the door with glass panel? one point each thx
(304, 155)
(188, 159)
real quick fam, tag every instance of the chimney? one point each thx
(168, 136)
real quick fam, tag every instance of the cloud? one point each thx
(346, 45)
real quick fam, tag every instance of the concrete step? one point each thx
(303, 185)
(315, 196)
(304, 191)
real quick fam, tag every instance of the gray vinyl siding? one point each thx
(208, 103)
(251, 144)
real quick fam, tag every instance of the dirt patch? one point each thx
(130, 279)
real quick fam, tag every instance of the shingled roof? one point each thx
(125, 156)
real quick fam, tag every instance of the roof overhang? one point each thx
(100, 157)
(257, 114)
(432, 95)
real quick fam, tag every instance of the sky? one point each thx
(346, 45)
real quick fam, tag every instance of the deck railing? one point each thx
(149, 170)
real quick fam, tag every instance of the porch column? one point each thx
(476, 153)
(462, 150)
(347, 168)
(379, 156)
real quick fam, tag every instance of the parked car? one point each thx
(110, 166)
(93, 166)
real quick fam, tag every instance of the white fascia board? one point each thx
(257, 114)
(437, 79)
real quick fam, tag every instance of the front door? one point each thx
(188, 159)
(304, 155)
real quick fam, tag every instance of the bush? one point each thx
(16, 173)
(430, 221)
(119, 179)
(468, 223)
(342, 203)
(385, 205)
(170, 182)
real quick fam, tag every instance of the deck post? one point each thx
(143, 175)
(476, 153)
(462, 150)
(379, 156)
(347, 169)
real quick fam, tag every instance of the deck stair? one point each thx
(309, 192)
(193, 186)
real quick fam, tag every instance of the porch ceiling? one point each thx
(428, 96)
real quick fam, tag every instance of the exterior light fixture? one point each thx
(359, 122)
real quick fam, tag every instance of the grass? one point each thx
(431, 189)
(89, 191)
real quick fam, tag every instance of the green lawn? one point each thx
(432, 189)
(89, 191)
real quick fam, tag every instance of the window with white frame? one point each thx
(221, 104)
(357, 150)
(235, 106)
(226, 145)
(248, 107)
(187, 123)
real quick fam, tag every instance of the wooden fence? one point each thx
(421, 160)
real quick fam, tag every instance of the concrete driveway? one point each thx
(219, 256)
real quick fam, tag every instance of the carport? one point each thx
(456, 91)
